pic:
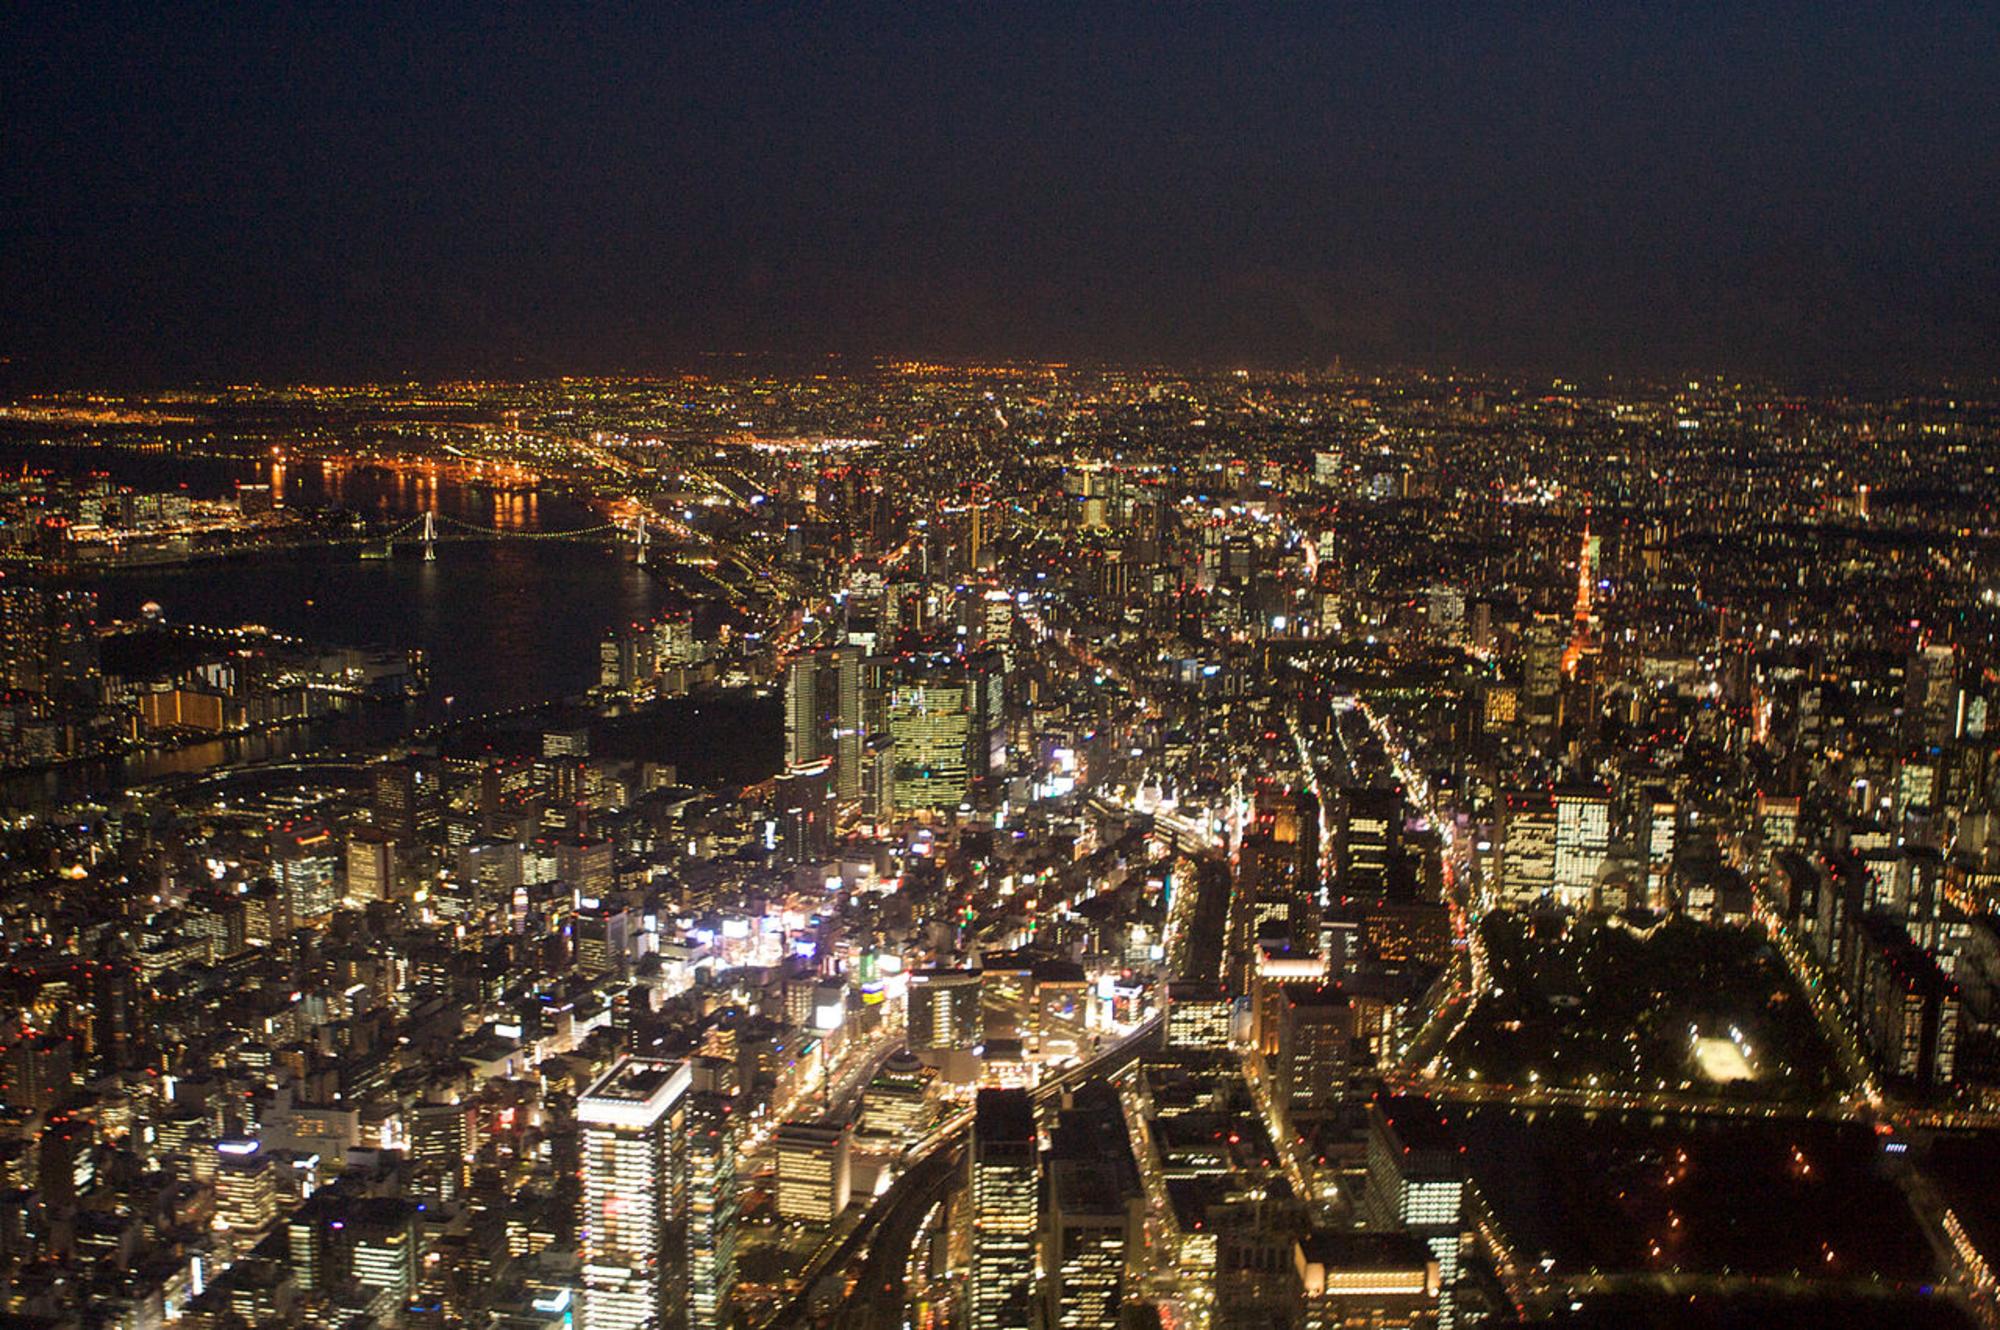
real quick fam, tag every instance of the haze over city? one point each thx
(450, 190)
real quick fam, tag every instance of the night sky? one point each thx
(347, 191)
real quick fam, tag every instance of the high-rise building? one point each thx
(587, 864)
(930, 719)
(853, 692)
(371, 865)
(712, 1209)
(382, 1238)
(408, 803)
(440, 1141)
(1583, 839)
(804, 802)
(986, 737)
(1368, 832)
(246, 1192)
(814, 1171)
(805, 721)
(897, 1103)
(39, 1071)
(1094, 1219)
(945, 1010)
(631, 1233)
(306, 858)
(1199, 1016)
(1416, 1183)
(1004, 1188)
(48, 642)
(1315, 1039)
(827, 721)
(1527, 846)
(1542, 645)
(1662, 825)
(1930, 694)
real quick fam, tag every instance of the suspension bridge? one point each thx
(432, 528)
(639, 533)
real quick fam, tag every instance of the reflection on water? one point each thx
(503, 623)
(378, 491)
(382, 493)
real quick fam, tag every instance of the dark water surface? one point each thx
(504, 623)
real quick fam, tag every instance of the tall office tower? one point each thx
(986, 737)
(805, 725)
(996, 624)
(674, 644)
(440, 1142)
(815, 1171)
(1315, 1036)
(632, 1229)
(1199, 1015)
(601, 938)
(371, 865)
(65, 1166)
(1527, 845)
(930, 721)
(587, 864)
(1542, 645)
(1583, 839)
(850, 721)
(380, 1244)
(826, 716)
(803, 797)
(306, 859)
(945, 1010)
(1662, 824)
(39, 1071)
(1094, 1214)
(878, 776)
(1004, 1187)
(48, 642)
(712, 1209)
(1416, 1183)
(1930, 696)
(1369, 828)
(408, 803)
(246, 1192)
(897, 1103)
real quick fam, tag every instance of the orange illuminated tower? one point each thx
(1586, 575)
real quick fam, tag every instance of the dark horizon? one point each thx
(1798, 195)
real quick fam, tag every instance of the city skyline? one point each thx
(1043, 667)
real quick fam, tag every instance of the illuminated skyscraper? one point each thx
(945, 1010)
(246, 1192)
(712, 1208)
(930, 714)
(1199, 1016)
(1662, 820)
(805, 728)
(371, 865)
(1005, 1188)
(1416, 1183)
(1583, 838)
(1527, 845)
(1094, 1213)
(814, 1171)
(634, 1197)
(1368, 830)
